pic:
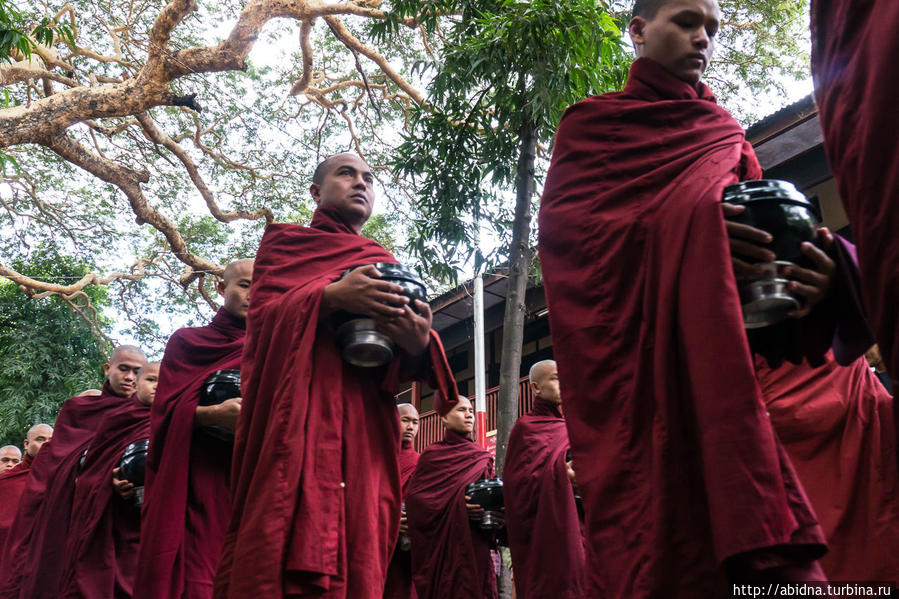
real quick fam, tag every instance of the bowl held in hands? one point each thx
(221, 386)
(488, 494)
(133, 466)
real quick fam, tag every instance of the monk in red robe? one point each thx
(37, 540)
(685, 486)
(451, 555)
(104, 534)
(187, 500)
(854, 49)
(399, 573)
(316, 479)
(10, 457)
(12, 482)
(836, 423)
(542, 521)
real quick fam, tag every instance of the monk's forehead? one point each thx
(709, 7)
(335, 162)
(128, 356)
(40, 430)
(239, 269)
(151, 368)
(407, 410)
(10, 450)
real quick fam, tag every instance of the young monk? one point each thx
(187, 501)
(542, 521)
(10, 457)
(12, 482)
(103, 538)
(685, 486)
(316, 480)
(854, 50)
(37, 540)
(399, 573)
(451, 556)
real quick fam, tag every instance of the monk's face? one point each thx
(461, 418)
(546, 383)
(681, 37)
(146, 383)
(9, 458)
(36, 437)
(235, 289)
(408, 423)
(121, 371)
(348, 186)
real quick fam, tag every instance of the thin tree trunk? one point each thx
(513, 323)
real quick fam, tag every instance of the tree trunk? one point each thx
(513, 323)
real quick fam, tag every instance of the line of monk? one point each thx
(669, 452)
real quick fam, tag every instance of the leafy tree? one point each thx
(47, 352)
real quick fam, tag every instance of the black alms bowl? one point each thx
(134, 463)
(488, 493)
(221, 386)
(778, 208)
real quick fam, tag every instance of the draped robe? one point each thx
(12, 485)
(678, 466)
(103, 537)
(399, 572)
(854, 48)
(542, 522)
(187, 504)
(315, 479)
(836, 423)
(451, 556)
(33, 558)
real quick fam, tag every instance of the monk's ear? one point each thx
(106, 368)
(637, 28)
(535, 388)
(315, 192)
(220, 287)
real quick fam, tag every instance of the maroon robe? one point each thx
(451, 556)
(33, 558)
(315, 481)
(854, 50)
(542, 522)
(12, 485)
(104, 533)
(399, 572)
(187, 503)
(678, 465)
(836, 424)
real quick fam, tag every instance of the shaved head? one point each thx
(121, 352)
(344, 184)
(147, 378)
(407, 408)
(237, 269)
(540, 370)
(235, 287)
(10, 456)
(121, 370)
(544, 381)
(89, 392)
(36, 437)
(648, 9)
(408, 423)
(318, 177)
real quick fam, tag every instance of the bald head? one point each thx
(235, 287)
(35, 438)
(648, 9)
(89, 393)
(408, 423)
(544, 381)
(121, 370)
(344, 183)
(10, 456)
(147, 377)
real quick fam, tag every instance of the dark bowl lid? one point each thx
(224, 376)
(392, 271)
(486, 483)
(765, 190)
(136, 448)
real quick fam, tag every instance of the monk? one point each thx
(37, 539)
(10, 456)
(836, 423)
(399, 574)
(542, 521)
(853, 46)
(12, 482)
(104, 534)
(316, 478)
(685, 486)
(187, 500)
(451, 556)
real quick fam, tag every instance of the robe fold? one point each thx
(104, 533)
(12, 485)
(836, 424)
(37, 541)
(187, 504)
(542, 522)
(451, 556)
(678, 465)
(854, 50)
(315, 480)
(399, 572)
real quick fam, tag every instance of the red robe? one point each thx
(854, 50)
(33, 558)
(12, 485)
(451, 556)
(542, 522)
(836, 424)
(399, 572)
(315, 481)
(187, 503)
(678, 465)
(101, 552)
